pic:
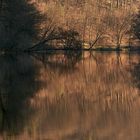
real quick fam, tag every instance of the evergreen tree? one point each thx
(19, 22)
(136, 25)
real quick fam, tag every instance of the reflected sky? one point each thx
(68, 96)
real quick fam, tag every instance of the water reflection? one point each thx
(136, 76)
(90, 96)
(18, 83)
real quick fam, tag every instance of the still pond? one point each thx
(70, 96)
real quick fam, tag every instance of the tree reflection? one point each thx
(18, 83)
(136, 75)
(64, 62)
(94, 101)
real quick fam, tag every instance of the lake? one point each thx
(70, 96)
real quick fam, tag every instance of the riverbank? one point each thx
(100, 49)
(88, 49)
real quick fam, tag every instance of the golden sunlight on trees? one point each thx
(33, 23)
(98, 22)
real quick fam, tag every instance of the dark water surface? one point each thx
(70, 96)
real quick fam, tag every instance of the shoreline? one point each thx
(72, 49)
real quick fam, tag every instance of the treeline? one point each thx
(39, 24)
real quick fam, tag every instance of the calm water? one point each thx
(68, 96)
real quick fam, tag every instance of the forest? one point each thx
(69, 69)
(33, 25)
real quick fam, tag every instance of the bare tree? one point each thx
(121, 25)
